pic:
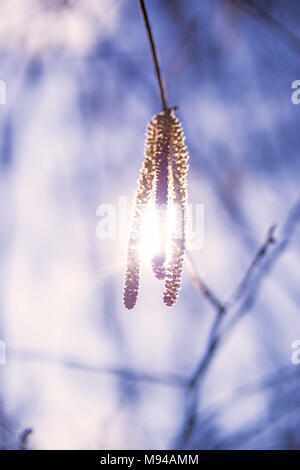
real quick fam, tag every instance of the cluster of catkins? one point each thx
(163, 173)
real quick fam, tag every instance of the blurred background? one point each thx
(81, 371)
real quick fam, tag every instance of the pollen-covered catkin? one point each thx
(164, 123)
(164, 174)
(143, 193)
(179, 164)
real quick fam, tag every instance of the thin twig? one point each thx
(154, 55)
(242, 287)
(257, 11)
(202, 286)
(285, 375)
(242, 437)
(23, 438)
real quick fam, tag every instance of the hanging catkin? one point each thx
(143, 193)
(179, 165)
(162, 175)
(164, 172)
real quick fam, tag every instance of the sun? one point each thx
(150, 235)
(154, 238)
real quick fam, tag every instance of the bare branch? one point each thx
(202, 286)
(258, 12)
(168, 380)
(218, 335)
(242, 287)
